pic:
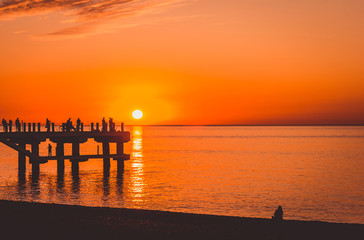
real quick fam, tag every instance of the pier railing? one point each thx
(38, 127)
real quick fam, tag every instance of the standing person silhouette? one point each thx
(49, 150)
(10, 125)
(104, 125)
(17, 125)
(78, 126)
(5, 125)
(48, 125)
(111, 125)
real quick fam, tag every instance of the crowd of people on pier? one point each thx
(111, 125)
(8, 126)
(66, 127)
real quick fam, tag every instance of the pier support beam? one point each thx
(35, 163)
(60, 161)
(106, 152)
(120, 148)
(75, 153)
(120, 151)
(120, 165)
(21, 159)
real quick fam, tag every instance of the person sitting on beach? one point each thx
(5, 125)
(278, 214)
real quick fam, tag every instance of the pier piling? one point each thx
(60, 159)
(106, 152)
(21, 159)
(120, 150)
(34, 162)
(75, 153)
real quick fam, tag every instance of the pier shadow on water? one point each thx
(69, 187)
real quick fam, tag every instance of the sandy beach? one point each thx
(53, 221)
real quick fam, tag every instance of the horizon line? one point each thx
(246, 125)
(223, 125)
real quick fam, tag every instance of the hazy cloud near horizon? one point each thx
(83, 12)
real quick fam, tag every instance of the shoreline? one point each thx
(56, 221)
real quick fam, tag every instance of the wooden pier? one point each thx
(34, 137)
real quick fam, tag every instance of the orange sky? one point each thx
(183, 62)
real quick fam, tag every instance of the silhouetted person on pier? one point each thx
(5, 125)
(278, 214)
(48, 125)
(104, 125)
(10, 125)
(17, 125)
(69, 125)
(78, 126)
(111, 125)
(49, 150)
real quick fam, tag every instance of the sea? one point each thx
(316, 173)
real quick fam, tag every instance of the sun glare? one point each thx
(137, 114)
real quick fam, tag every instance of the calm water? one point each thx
(315, 173)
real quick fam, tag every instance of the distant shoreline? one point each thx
(30, 220)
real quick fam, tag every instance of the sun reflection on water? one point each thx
(137, 167)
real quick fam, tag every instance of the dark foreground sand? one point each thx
(22, 220)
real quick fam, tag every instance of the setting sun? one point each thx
(137, 114)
